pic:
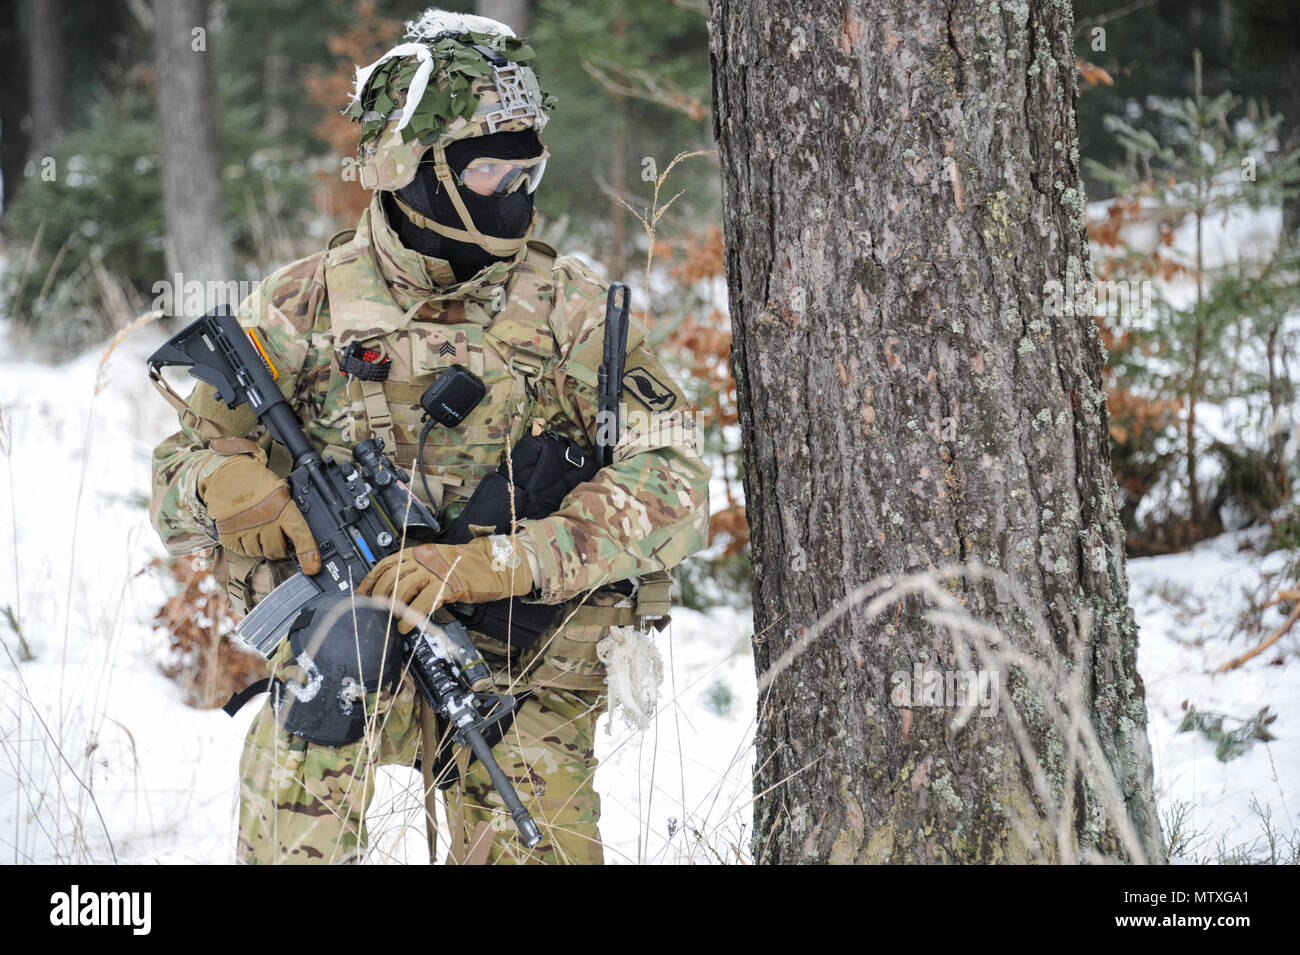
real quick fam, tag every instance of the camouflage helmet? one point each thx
(455, 77)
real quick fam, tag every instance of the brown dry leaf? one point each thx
(733, 523)
(205, 660)
(1093, 74)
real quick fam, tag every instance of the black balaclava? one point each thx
(506, 217)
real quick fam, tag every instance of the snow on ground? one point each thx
(101, 760)
(1188, 608)
(98, 748)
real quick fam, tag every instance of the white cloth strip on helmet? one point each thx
(418, 83)
(434, 21)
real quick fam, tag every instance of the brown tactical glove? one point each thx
(251, 507)
(429, 576)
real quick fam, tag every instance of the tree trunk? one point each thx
(13, 104)
(1277, 415)
(516, 14)
(1196, 509)
(900, 181)
(193, 203)
(47, 70)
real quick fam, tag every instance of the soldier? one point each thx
(440, 271)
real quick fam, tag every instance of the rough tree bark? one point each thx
(900, 180)
(193, 204)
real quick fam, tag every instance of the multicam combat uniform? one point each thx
(532, 328)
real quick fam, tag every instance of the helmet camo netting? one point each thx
(455, 77)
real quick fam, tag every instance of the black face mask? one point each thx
(506, 217)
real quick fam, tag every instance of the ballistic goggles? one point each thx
(500, 177)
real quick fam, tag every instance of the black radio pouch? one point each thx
(546, 467)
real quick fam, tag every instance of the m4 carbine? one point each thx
(359, 512)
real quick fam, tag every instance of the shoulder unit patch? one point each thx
(649, 390)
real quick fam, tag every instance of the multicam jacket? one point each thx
(532, 328)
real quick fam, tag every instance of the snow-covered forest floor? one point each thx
(102, 760)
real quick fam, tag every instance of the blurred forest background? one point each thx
(125, 163)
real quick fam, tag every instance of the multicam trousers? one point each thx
(302, 802)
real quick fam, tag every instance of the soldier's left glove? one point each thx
(428, 576)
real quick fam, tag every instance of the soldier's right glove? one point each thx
(252, 508)
(427, 576)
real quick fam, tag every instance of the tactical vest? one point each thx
(504, 335)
